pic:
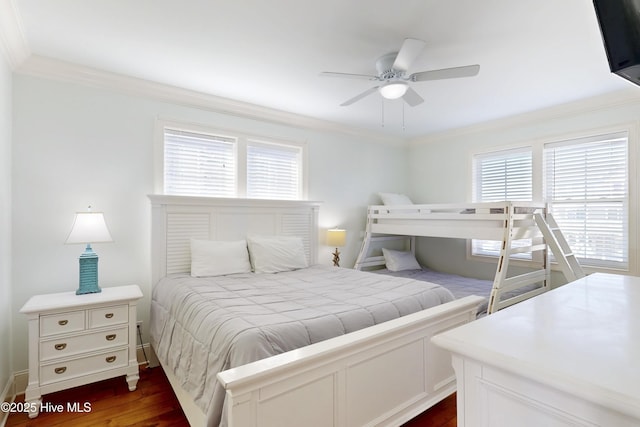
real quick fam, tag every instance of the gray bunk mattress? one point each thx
(459, 286)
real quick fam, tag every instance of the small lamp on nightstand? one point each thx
(89, 227)
(336, 237)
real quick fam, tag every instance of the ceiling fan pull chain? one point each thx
(382, 114)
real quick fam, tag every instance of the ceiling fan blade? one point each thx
(349, 76)
(409, 51)
(446, 73)
(359, 97)
(412, 98)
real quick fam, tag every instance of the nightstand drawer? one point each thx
(54, 324)
(62, 347)
(107, 316)
(83, 366)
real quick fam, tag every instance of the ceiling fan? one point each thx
(394, 83)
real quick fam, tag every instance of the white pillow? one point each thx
(217, 258)
(272, 254)
(400, 260)
(395, 199)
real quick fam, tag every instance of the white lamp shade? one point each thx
(393, 90)
(89, 227)
(336, 237)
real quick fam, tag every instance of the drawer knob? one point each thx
(61, 346)
(108, 315)
(62, 322)
(111, 337)
(110, 359)
(60, 370)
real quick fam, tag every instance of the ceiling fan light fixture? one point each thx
(393, 90)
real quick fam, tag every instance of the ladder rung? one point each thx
(525, 249)
(558, 243)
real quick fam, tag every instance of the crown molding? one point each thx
(614, 99)
(49, 68)
(12, 41)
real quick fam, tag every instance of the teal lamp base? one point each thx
(88, 272)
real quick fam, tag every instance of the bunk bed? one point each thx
(383, 374)
(522, 227)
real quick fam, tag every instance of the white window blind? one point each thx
(505, 175)
(198, 164)
(273, 171)
(586, 185)
(500, 176)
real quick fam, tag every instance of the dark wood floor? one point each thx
(154, 404)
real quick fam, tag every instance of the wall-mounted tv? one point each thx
(619, 22)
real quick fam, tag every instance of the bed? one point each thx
(371, 365)
(521, 227)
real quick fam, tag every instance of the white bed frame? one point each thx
(502, 221)
(382, 375)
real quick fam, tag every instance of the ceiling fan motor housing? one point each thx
(384, 66)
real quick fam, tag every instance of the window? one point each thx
(273, 171)
(586, 186)
(197, 164)
(196, 161)
(498, 176)
(504, 175)
(585, 183)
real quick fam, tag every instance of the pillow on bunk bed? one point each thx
(400, 260)
(395, 199)
(217, 258)
(273, 254)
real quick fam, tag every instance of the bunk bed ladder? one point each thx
(366, 245)
(561, 250)
(538, 280)
(503, 263)
(364, 260)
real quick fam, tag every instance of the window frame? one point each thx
(242, 140)
(537, 147)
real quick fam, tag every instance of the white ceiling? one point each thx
(533, 53)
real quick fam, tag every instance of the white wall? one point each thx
(6, 368)
(440, 165)
(74, 145)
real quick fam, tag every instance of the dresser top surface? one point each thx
(583, 337)
(69, 300)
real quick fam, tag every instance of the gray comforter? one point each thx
(201, 326)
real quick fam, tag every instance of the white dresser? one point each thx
(570, 357)
(80, 339)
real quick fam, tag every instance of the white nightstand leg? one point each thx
(132, 380)
(33, 403)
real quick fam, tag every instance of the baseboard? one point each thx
(21, 379)
(8, 394)
(146, 355)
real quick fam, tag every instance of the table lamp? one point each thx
(336, 237)
(89, 227)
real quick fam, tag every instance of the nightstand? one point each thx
(80, 339)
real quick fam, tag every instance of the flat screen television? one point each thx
(619, 22)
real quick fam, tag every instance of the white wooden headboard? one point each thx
(177, 219)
